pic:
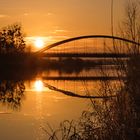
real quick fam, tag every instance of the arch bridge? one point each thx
(89, 46)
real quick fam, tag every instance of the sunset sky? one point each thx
(61, 18)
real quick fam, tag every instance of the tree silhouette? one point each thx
(12, 39)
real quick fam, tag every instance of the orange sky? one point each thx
(61, 18)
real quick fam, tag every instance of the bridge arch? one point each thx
(85, 37)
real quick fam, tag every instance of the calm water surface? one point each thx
(40, 106)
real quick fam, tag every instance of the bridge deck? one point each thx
(92, 78)
(92, 55)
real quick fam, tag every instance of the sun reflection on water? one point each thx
(38, 85)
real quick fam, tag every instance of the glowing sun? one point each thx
(39, 43)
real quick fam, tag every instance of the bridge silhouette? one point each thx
(113, 52)
(110, 47)
(114, 38)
